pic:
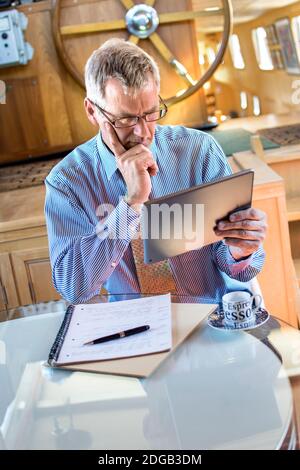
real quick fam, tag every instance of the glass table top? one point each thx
(218, 390)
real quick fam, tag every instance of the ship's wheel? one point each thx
(142, 22)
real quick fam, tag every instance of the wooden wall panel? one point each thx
(36, 118)
(51, 74)
(19, 129)
(79, 48)
(295, 238)
(55, 115)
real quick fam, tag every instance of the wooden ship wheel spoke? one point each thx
(142, 21)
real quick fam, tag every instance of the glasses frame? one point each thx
(141, 116)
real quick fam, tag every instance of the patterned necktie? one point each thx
(156, 278)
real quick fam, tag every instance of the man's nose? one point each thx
(141, 128)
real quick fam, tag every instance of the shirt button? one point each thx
(113, 265)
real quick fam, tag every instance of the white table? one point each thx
(219, 390)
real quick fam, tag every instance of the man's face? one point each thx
(119, 104)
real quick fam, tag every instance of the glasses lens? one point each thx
(149, 117)
(156, 115)
(126, 122)
(152, 116)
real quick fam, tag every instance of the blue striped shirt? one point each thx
(83, 260)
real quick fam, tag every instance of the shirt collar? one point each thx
(109, 160)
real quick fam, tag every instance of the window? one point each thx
(236, 53)
(201, 59)
(243, 100)
(211, 55)
(274, 47)
(263, 56)
(256, 106)
(296, 33)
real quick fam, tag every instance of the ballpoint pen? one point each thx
(120, 334)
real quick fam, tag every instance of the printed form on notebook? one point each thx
(86, 322)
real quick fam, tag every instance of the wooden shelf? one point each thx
(293, 208)
(297, 267)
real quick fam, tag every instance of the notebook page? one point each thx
(93, 321)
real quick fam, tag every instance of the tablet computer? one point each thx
(184, 221)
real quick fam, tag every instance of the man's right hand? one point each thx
(136, 165)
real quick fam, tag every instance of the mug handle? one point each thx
(256, 307)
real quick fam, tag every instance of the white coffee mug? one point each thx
(238, 308)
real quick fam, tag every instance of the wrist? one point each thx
(135, 205)
(238, 254)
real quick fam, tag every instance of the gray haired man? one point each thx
(131, 160)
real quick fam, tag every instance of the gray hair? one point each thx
(119, 59)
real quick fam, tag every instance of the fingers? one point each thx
(140, 158)
(142, 164)
(146, 162)
(249, 246)
(139, 155)
(153, 170)
(114, 142)
(242, 234)
(242, 225)
(251, 214)
(245, 230)
(134, 152)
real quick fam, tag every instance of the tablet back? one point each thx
(184, 221)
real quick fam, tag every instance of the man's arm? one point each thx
(136, 166)
(83, 256)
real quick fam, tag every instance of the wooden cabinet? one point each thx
(278, 278)
(33, 275)
(8, 292)
(25, 271)
(25, 278)
(286, 162)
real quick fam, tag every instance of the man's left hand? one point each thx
(243, 232)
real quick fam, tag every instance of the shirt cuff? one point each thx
(236, 266)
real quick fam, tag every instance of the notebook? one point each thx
(169, 324)
(88, 322)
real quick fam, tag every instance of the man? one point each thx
(131, 160)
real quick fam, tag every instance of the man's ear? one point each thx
(90, 112)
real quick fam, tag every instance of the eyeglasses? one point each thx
(130, 121)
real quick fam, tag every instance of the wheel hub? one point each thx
(142, 20)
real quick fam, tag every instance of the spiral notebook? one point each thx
(87, 322)
(136, 356)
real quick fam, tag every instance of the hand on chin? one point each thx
(130, 144)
